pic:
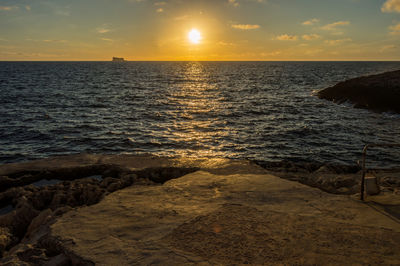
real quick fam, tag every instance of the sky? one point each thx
(230, 30)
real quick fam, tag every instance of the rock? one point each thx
(128, 179)
(59, 199)
(114, 186)
(332, 183)
(6, 239)
(60, 211)
(344, 190)
(33, 255)
(376, 92)
(308, 167)
(114, 172)
(107, 181)
(25, 213)
(323, 170)
(6, 182)
(91, 194)
(13, 258)
(43, 198)
(12, 194)
(391, 181)
(60, 255)
(387, 189)
(144, 182)
(344, 181)
(38, 221)
(35, 206)
(59, 260)
(28, 178)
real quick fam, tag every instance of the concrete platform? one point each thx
(229, 218)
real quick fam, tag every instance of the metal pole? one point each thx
(364, 155)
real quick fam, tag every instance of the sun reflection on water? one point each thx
(194, 123)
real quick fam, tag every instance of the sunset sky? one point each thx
(230, 29)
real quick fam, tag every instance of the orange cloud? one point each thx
(222, 43)
(160, 3)
(7, 8)
(395, 29)
(387, 48)
(391, 6)
(337, 42)
(245, 26)
(233, 2)
(310, 37)
(286, 37)
(274, 53)
(333, 26)
(103, 29)
(310, 22)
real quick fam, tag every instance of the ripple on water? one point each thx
(258, 110)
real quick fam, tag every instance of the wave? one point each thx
(238, 110)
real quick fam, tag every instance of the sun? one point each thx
(194, 36)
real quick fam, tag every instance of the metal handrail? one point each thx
(364, 155)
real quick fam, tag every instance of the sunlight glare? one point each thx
(194, 36)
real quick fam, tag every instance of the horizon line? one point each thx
(347, 60)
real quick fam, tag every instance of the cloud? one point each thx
(337, 42)
(313, 52)
(54, 41)
(391, 6)
(160, 3)
(31, 55)
(310, 37)
(46, 40)
(395, 29)
(235, 3)
(286, 37)
(160, 10)
(184, 17)
(103, 29)
(274, 53)
(222, 43)
(310, 22)
(337, 33)
(7, 8)
(245, 26)
(335, 25)
(387, 48)
(107, 39)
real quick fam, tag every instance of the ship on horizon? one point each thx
(118, 59)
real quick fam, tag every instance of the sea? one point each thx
(263, 111)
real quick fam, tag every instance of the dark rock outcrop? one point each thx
(331, 178)
(379, 93)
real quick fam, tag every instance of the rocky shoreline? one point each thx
(84, 180)
(380, 93)
(35, 207)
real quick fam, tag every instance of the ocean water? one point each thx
(256, 110)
